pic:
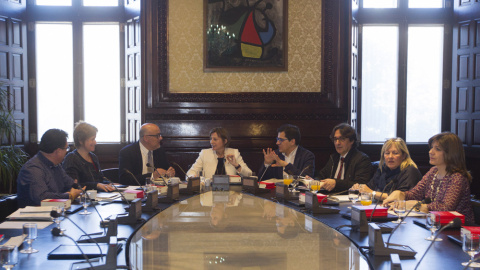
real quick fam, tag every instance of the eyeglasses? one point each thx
(66, 148)
(281, 140)
(156, 135)
(340, 139)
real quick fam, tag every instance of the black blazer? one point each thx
(358, 169)
(303, 158)
(131, 159)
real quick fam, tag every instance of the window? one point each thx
(402, 68)
(79, 67)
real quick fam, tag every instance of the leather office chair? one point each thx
(8, 205)
(112, 174)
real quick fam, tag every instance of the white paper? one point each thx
(16, 240)
(19, 224)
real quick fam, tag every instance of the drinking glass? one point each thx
(433, 223)
(30, 232)
(8, 256)
(315, 186)
(287, 180)
(60, 210)
(84, 201)
(399, 207)
(366, 198)
(353, 195)
(471, 246)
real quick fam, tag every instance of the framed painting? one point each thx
(245, 35)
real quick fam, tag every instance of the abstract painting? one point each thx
(245, 35)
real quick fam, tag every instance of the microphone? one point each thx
(55, 214)
(154, 169)
(57, 232)
(116, 189)
(264, 171)
(176, 164)
(383, 191)
(96, 210)
(424, 201)
(304, 169)
(296, 181)
(455, 223)
(136, 180)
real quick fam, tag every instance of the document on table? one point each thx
(19, 224)
(32, 213)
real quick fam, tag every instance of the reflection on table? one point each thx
(232, 230)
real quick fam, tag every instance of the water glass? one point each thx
(353, 195)
(399, 207)
(8, 256)
(433, 223)
(60, 211)
(30, 232)
(471, 246)
(84, 200)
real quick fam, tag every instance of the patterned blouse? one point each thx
(452, 193)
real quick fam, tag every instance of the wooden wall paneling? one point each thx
(13, 66)
(133, 80)
(251, 118)
(466, 83)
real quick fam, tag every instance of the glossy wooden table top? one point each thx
(232, 230)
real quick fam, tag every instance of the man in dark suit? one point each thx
(290, 158)
(143, 157)
(348, 166)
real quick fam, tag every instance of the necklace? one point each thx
(435, 192)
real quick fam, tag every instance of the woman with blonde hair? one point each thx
(447, 184)
(396, 171)
(82, 164)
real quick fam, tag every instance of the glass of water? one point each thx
(433, 223)
(84, 199)
(353, 195)
(30, 232)
(471, 246)
(399, 207)
(8, 256)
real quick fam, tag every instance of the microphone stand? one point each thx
(55, 214)
(264, 171)
(426, 200)
(376, 204)
(57, 232)
(456, 222)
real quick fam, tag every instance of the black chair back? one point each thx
(476, 210)
(8, 205)
(111, 174)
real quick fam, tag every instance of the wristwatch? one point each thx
(238, 167)
(373, 194)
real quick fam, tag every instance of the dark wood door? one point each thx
(13, 66)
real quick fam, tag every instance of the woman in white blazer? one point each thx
(219, 160)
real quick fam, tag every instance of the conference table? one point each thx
(237, 230)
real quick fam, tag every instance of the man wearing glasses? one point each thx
(289, 159)
(144, 158)
(43, 177)
(348, 166)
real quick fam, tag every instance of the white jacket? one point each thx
(207, 162)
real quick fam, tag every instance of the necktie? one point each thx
(150, 162)
(342, 160)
